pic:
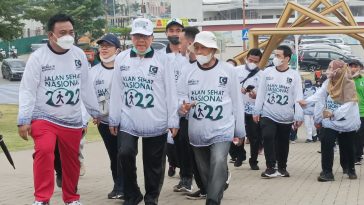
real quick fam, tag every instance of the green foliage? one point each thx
(10, 15)
(84, 12)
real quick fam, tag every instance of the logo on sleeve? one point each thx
(193, 82)
(153, 70)
(78, 63)
(223, 81)
(124, 68)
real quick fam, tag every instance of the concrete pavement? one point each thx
(247, 187)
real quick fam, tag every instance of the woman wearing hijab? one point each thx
(340, 119)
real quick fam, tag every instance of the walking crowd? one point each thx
(184, 104)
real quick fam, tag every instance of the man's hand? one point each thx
(185, 108)
(24, 131)
(84, 130)
(256, 118)
(327, 114)
(302, 103)
(318, 125)
(297, 124)
(96, 121)
(113, 130)
(243, 90)
(238, 141)
(174, 131)
(252, 94)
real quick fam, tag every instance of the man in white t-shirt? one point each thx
(54, 83)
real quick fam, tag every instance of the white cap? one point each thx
(142, 26)
(207, 39)
(174, 21)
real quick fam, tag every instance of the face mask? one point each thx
(174, 40)
(251, 66)
(141, 53)
(108, 60)
(277, 62)
(204, 59)
(65, 42)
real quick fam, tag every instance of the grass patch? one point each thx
(9, 130)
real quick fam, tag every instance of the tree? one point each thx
(10, 16)
(84, 12)
(123, 33)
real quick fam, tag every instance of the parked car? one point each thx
(13, 69)
(316, 59)
(330, 46)
(35, 46)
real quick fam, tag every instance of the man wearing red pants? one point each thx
(54, 83)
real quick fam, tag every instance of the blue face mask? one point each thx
(140, 53)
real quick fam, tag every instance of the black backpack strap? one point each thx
(251, 74)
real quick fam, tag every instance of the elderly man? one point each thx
(143, 103)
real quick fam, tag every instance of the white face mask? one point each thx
(251, 66)
(203, 59)
(65, 42)
(108, 60)
(277, 62)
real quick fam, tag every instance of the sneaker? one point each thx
(197, 195)
(171, 171)
(232, 160)
(325, 177)
(184, 185)
(82, 169)
(59, 181)
(227, 181)
(73, 203)
(283, 173)
(134, 201)
(238, 162)
(40, 203)
(308, 141)
(270, 173)
(358, 162)
(293, 142)
(115, 195)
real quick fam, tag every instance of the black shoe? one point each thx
(59, 181)
(115, 195)
(197, 195)
(232, 160)
(171, 171)
(358, 162)
(133, 201)
(325, 177)
(314, 138)
(308, 141)
(283, 173)
(352, 174)
(238, 162)
(254, 166)
(270, 173)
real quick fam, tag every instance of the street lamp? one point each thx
(244, 25)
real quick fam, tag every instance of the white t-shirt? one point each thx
(278, 95)
(52, 88)
(143, 95)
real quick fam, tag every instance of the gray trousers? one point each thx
(212, 166)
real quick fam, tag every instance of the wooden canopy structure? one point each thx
(307, 15)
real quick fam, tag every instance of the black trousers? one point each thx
(276, 142)
(254, 135)
(183, 149)
(359, 141)
(346, 146)
(154, 149)
(172, 155)
(112, 146)
(57, 161)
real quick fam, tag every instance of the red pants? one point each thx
(45, 134)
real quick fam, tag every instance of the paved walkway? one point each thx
(246, 188)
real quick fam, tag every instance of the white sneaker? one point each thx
(74, 203)
(40, 203)
(82, 169)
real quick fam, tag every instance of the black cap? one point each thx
(110, 38)
(355, 62)
(174, 21)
